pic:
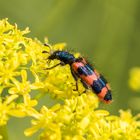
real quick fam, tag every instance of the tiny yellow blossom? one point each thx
(6, 108)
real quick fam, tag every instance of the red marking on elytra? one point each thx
(89, 79)
(76, 65)
(102, 93)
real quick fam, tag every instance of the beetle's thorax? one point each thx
(63, 56)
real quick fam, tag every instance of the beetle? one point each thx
(80, 68)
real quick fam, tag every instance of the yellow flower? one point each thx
(7, 72)
(25, 86)
(6, 108)
(23, 109)
(134, 80)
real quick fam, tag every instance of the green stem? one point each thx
(3, 132)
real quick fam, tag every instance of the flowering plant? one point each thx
(76, 117)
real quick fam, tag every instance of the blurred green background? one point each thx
(107, 31)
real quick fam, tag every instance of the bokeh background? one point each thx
(107, 32)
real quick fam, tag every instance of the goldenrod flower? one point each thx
(22, 71)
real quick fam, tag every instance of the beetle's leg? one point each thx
(85, 85)
(49, 46)
(61, 63)
(81, 59)
(75, 78)
(45, 52)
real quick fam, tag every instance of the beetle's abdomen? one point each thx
(93, 79)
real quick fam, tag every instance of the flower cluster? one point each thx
(22, 72)
(78, 119)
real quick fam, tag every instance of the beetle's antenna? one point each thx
(48, 45)
(45, 52)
